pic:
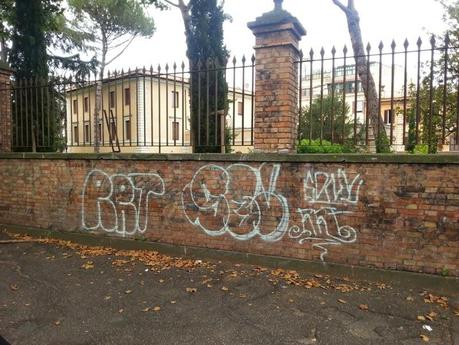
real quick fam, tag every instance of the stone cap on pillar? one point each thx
(275, 18)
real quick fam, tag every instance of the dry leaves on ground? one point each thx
(363, 307)
(88, 265)
(425, 338)
(430, 299)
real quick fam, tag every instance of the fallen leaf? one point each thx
(107, 298)
(191, 290)
(421, 318)
(88, 265)
(342, 301)
(127, 292)
(410, 299)
(290, 301)
(425, 338)
(57, 323)
(173, 302)
(14, 287)
(224, 288)
(146, 309)
(363, 307)
(120, 311)
(433, 314)
(156, 308)
(161, 281)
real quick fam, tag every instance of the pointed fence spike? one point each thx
(234, 60)
(447, 39)
(311, 53)
(419, 42)
(322, 52)
(345, 50)
(433, 41)
(333, 51)
(381, 46)
(368, 47)
(393, 45)
(183, 65)
(243, 59)
(253, 57)
(406, 43)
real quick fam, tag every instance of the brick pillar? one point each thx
(277, 34)
(5, 109)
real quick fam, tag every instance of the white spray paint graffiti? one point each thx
(333, 189)
(213, 194)
(323, 229)
(239, 200)
(217, 204)
(120, 202)
(321, 226)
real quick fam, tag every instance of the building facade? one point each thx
(147, 113)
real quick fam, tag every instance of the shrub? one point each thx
(421, 149)
(315, 146)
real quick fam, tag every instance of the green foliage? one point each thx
(228, 139)
(109, 26)
(325, 119)
(28, 54)
(411, 142)
(445, 272)
(207, 54)
(421, 149)
(382, 143)
(315, 146)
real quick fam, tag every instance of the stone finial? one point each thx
(278, 5)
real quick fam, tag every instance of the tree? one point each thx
(207, 56)
(6, 14)
(368, 83)
(326, 120)
(29, 60)
(433, 107)
(114, 24)
(28, 54)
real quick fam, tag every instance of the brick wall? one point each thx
(395, 216)
(5, 110)
(277, 35)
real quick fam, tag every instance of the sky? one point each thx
(324, 22)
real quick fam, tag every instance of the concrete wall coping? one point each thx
(253, 157)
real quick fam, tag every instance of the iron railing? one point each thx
(143, 110)
(417, 90)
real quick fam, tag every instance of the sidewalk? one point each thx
(58, 293)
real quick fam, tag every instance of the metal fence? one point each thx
(151, 109)
(142, 110)
(417, 92)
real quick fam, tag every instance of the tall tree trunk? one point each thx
(184, 10)
(365, 75)
(98, 105)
